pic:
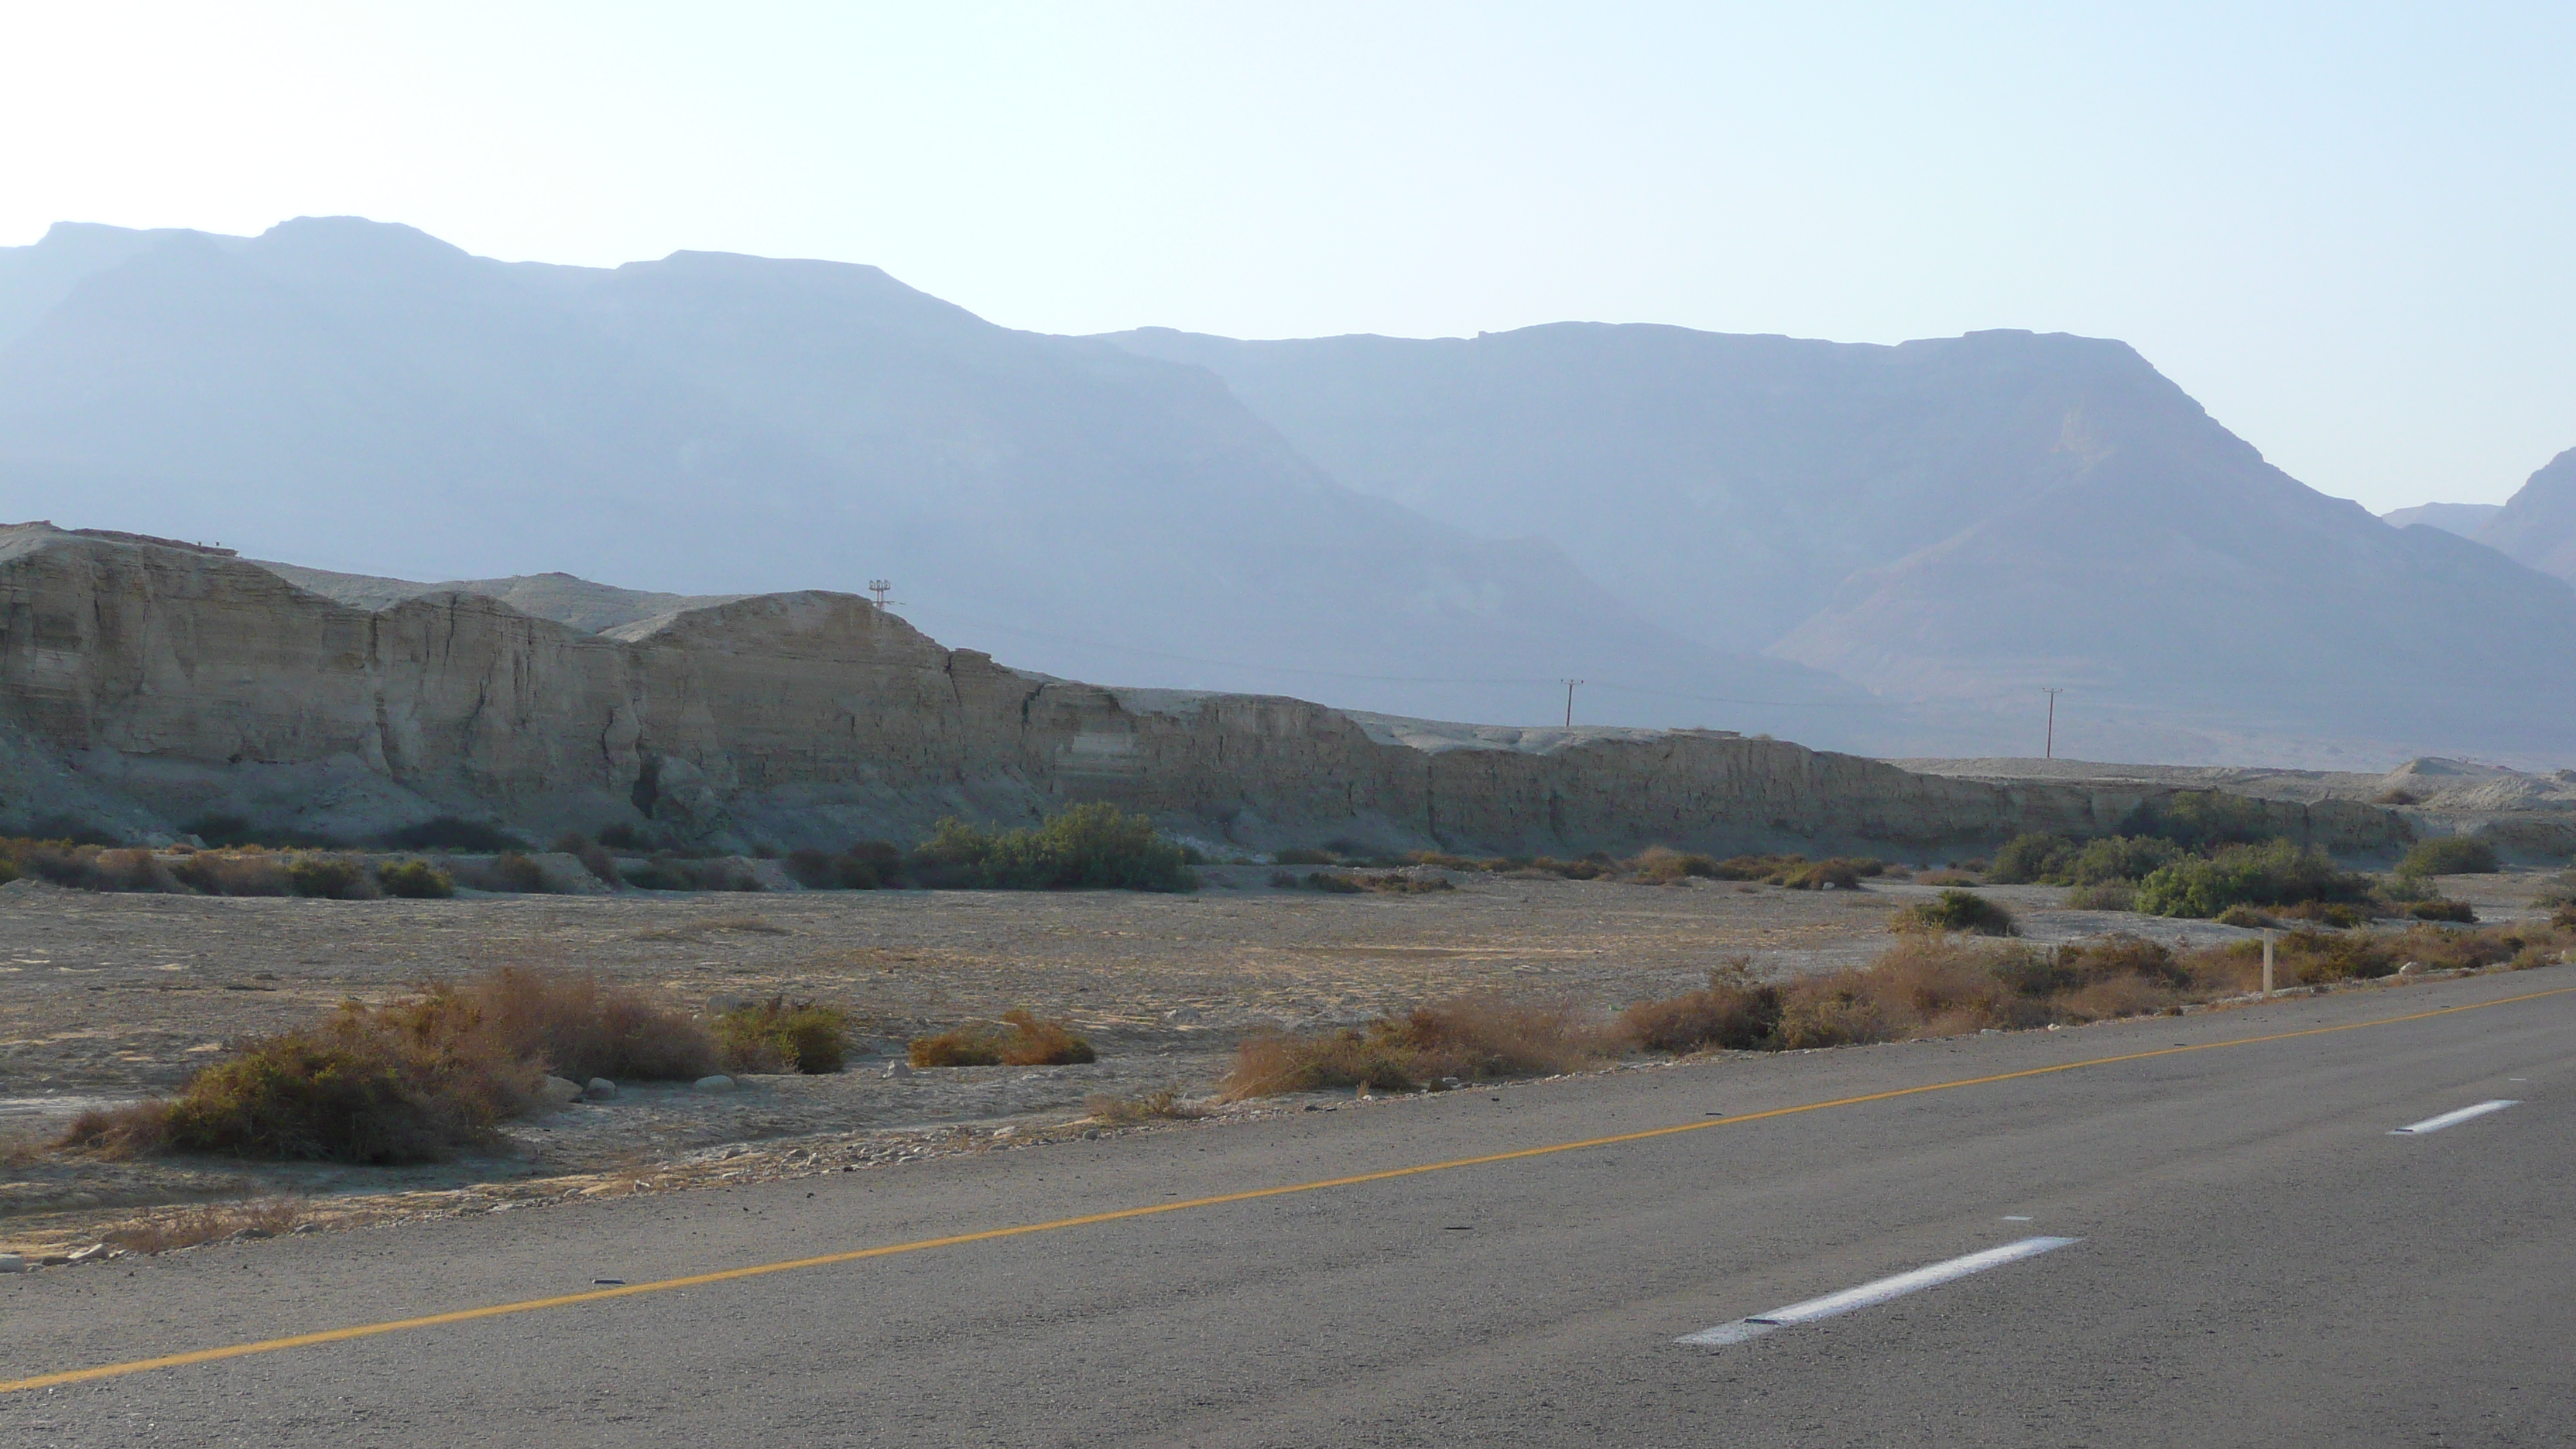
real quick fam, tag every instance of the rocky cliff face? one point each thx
(145, 684)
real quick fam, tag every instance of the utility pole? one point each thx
(2052, 722)
(880, 588)
(1569, 702)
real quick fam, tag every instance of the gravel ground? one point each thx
(108, 998)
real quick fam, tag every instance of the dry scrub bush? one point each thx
(1957, 911)
(1925, 985)
(1661, 865)
(1469, 1037)
(412, 1081)
(207, 1223)
(1162, 1106)
(330, 877)
(1733, 1011)
(1019, 1039)
(415, 880)
(780, 1035)
(2109, 895)
(234, 873)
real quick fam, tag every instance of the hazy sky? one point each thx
(2346, 229)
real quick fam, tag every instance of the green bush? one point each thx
(415, 880)
(2450, 855)
(328, 877)
(2275, 873)
(2456, 912)
(2028, 858)
(779, 1034)
(1957, 910)
(1094, 847)
(2120, 858)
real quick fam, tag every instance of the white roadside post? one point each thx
(2267, 963)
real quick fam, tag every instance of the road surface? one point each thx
(2256, 1257)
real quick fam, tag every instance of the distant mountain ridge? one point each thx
(2464, 519)
(1966, 519)
(365, 397)
(1889, 549)
(2538, 524)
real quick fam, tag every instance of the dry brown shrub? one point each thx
(574, 1025)
(411, 1081)
(1733, 1011)
(1948, 877)
(1019, 1039)
(1033, 1041)
(118, 1133)
(1662, 865)
(1468, 1037)
(245, 872)
(209, 1223)
(1161, 1106)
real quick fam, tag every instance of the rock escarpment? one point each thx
(146, 684)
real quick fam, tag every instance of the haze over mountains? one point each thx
(1691, 521)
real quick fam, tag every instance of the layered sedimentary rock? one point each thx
(146, 684)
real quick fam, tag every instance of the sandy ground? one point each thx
(107, 998)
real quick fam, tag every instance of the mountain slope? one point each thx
(367, 398)
(2538, 524)
(2464, 519)
(1962, 519)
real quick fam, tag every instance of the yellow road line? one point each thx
(728, 1275)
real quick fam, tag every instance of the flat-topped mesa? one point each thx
(145, 685)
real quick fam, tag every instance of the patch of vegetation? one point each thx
(1089, 847)
(1660, 865)
(2449, 855)
(1165, 1105)
(234, 873)
(2057, 860)
(1957, 911)
(1470, 1038)
(2026, 859)
(412, 1081)
(1733, 1011)
(207, 1223)
(1306, 855)
(782, 1035)
(330, 878)
(2275, 873)
(2106, 896)
(415, 880)
(1019, 1039)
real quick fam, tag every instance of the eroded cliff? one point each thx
(146, 684)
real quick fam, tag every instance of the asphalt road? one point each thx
(2259, 1261)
